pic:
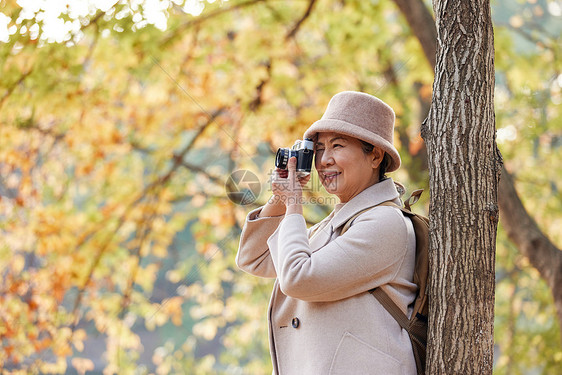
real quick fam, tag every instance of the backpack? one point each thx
(416, 326)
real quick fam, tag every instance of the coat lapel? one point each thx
(373, 195)
(322, 234)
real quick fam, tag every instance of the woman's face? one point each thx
(344, 169)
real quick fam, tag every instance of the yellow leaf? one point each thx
(82, 365)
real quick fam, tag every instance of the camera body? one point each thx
(303, 150)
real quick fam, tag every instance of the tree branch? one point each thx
(551, 45)
(178, 158)
(258, 100)
(524, 232)
(13, 87)
(421, 22)
(91, 269)
(198, 169)
(291, 34)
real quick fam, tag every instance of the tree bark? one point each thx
(514, 218)
(464, 170)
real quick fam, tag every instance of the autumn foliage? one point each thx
(117, 239)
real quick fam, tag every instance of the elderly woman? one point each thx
(322, 319)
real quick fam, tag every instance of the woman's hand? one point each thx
(285, 191)
(287, 188)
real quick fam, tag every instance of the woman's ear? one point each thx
(378, 155)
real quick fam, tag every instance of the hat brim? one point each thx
(349, 129)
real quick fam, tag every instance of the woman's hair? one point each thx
(386, 160)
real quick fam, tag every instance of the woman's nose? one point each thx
(326, 160)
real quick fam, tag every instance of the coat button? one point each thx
(295, 323)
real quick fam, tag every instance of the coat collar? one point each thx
(380, 192)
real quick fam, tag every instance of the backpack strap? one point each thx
(348, 223)
(391, 307)
(380, 294)
(377, 292)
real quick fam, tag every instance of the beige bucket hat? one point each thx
(362, 116)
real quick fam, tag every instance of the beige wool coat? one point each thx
(322, 319)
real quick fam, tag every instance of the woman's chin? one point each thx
(331, 188)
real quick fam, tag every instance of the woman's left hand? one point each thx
(289, 188)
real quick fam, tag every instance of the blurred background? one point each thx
(136, 135)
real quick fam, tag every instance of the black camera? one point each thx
(303, 151)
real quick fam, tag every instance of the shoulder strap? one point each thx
(383, 298)
(391, 307)
(378, 293)
(348, 223)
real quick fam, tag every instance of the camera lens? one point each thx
(282, 158)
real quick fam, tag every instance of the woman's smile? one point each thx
(329, 177)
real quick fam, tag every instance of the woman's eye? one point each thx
(319, 149)
(336, 145)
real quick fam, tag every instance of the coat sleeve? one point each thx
(253, 253)
(368, 255)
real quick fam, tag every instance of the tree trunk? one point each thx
(535, 245)
(464, 170)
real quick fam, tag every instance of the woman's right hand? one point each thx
(286, 186)
(283, 192)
